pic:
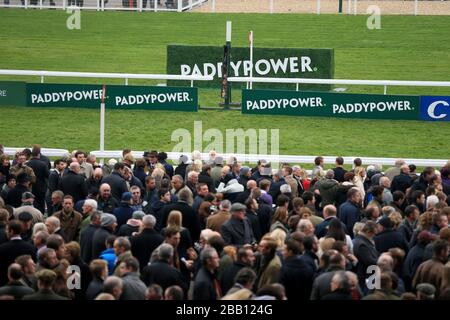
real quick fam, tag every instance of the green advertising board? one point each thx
(117, 97)
(152, 98)
(267, 62)
(12, 93)
(338, 105)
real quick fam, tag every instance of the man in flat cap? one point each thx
(238, 230)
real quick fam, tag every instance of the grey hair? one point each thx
(207, 253)
(165, 252)
(149, 221)
(285, 188)
(91, 203)
(225, 204)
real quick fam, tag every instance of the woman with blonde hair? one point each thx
(358, 180)
(175, 221)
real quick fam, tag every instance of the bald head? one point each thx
(329, 211)
(75, 167)
(251, 184)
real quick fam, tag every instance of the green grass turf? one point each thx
(406, 48)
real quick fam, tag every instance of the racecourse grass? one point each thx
(406, 48)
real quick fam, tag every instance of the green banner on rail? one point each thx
(339, 105)
(12, 93)
(267, 62)
(117, 97)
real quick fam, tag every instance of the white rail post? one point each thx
(192, 83)
(64, 4)
(416, 7)
(180, 6)
(42, 79)
(349, 9)
(355, 5)
(213, 6)
(40, 4)
(385, 89)
(103, 5)
(271, 6)
(318, 6)
(126, 81)
(26, 4)
(140, 5)
(190, 4)
(156, 5)
(296, 86)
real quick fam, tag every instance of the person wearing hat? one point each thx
(46, 279)
(124, 211)
(237, 230)
(10, 183)
(216, 171)
(14, 196)
(388, 238)
(108, 224)
(27, 206)
(244, 175)
(425, 291)
(26, 220)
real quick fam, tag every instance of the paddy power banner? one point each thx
(339, 105)
(267, 62)
(117, 97)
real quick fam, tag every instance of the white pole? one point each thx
(228, 36)
(180, 5)
(102, 120)
(416, 7)
(271, 6)
(213, 6)
(349, 9)
(40, 4)
(318, 6)
(251, 59)
(355, 3)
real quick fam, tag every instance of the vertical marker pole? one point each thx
(250, 38)
(102, 120)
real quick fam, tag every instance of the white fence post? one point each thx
(64, 4)
(213, 6)
(156, 5)
(271, 6)
(40, 4)
(349, 8)
(318, 6)
(355, 4)
(42, 79)
(26, 4)
(190, 4)
(140, 5)
(416, 7)
(180, 6)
